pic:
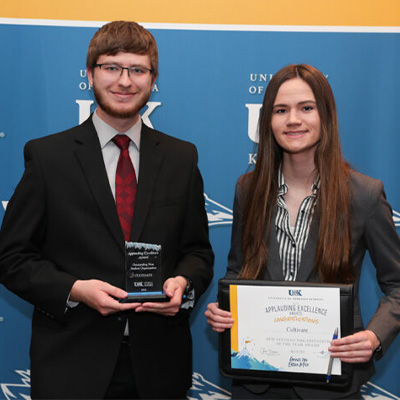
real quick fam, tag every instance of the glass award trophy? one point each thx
(144, 273)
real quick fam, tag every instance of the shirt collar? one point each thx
(106, 132)
(315, 186)
(283, 187)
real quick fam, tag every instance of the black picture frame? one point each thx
(292, 378)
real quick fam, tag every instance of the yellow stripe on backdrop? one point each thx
(249, 12)
(234, 312)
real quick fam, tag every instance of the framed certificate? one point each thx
(282, 331)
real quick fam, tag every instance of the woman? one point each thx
(304, 215)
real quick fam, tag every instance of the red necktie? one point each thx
(125, 186)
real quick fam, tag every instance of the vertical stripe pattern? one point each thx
(291, 242)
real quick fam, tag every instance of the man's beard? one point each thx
(116, 113)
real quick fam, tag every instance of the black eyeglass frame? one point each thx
(128, 69)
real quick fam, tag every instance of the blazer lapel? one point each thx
(88, 153)
(274, 265)
(151, 157)
(308, 255)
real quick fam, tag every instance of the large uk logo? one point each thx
(370, 391)
(396, 219)
(202, 389)
(217, 214)
(18, 389)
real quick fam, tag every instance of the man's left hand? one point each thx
(355, 348)
(174, 289)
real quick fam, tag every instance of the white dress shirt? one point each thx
(111, 151)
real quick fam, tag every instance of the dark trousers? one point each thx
(122, 385)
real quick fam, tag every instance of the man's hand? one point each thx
(101, 296)
(355, 348)
(174, 289)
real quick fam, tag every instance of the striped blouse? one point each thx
(292, 241)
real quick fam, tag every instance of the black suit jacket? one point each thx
(372, 229)
(61, 225)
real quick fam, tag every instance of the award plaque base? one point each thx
(148, 298)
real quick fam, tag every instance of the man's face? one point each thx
(121, 96)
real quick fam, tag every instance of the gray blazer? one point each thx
(372, 229)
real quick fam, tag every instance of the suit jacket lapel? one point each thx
(151, 157)
(274, 265)
(88, 153)
(308, 256)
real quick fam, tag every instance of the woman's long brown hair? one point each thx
(333, 254)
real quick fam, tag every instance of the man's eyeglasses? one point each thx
(115, 70)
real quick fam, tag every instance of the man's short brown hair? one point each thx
(125, 36)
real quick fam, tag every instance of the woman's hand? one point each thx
(355, 348)
(218, 319)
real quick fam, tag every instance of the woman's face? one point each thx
(295, 122)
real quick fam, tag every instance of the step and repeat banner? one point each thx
(216, 59)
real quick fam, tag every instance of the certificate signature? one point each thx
(281, 328)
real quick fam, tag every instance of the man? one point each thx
(62, 242)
